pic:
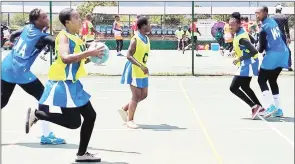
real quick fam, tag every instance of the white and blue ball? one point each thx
(106, 53)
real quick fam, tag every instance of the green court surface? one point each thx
(187, 120)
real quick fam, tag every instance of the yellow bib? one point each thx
(141, 55)
(57, 71)
(239, 52)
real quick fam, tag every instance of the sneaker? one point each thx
(123, 114)
(132, 125)
(278, 113)
(51, 140)
(261, 112)
(31, 119)
(87, 157)
(255, 111)
(120, 54)
(272, 109)
(290, 69)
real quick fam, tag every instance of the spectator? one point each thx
(282, 21)
(178, 34)
(134, 25)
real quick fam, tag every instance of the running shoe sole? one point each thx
(267, 115)
(123, 115)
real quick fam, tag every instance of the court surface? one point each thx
(162, 62)
(184, 120)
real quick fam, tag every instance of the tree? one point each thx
(88, 7)
(18, 20)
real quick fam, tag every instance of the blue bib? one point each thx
(17, 64)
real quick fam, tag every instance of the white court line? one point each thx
(116, 129)
(277, 131)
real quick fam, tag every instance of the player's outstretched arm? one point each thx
(63, 50)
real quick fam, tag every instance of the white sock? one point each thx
(277, 101)
(267, 99)
(45, 128)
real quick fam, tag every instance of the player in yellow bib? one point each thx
(64, 89)
(248, 63)
(136, 72)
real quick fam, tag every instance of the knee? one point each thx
(233, 88)
(136, 99)
(75, 123)
(92, 116)
(143, 97)
(261, 81)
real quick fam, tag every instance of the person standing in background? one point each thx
(117, 29)
(282, 21)
(178, 34)
(134, 26)
(88, 31)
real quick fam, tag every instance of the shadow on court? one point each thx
(275, 119)
(102, 162)
(64, 146)
(161, 127)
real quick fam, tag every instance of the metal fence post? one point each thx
(50, 15)
(192, 39)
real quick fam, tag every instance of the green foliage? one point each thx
(17, 20)
(88, 7)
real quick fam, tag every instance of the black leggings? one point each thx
(119, 45)
(271, 76)
(34, 88)
(248, 96)
(71, 118)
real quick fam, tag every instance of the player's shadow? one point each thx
(66, 146)
(275, 119)
(280, 119)
(102, 162)
(161, 127)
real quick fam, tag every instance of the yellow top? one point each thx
(179, 34)
(240, 50)
(141, 55)
(60, 71)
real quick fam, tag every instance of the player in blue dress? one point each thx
(248, 63)
(275, 59)
(16, 66)
(64, 88)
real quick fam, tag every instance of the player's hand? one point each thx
(236, 61)
(144, 69)
(97, 51)
(289, 41)
(8, 43)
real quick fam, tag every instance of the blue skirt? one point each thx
(273, 60)
(128, 79)
(64, 94)
(249, 70)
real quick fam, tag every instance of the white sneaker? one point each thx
(132, 125)
(31, 119)
(123, 114)
(87, 157)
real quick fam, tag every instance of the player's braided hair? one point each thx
(34, 15)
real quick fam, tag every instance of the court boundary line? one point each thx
(203, 128)
(273, 128)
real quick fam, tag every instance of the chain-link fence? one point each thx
(181, 32)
